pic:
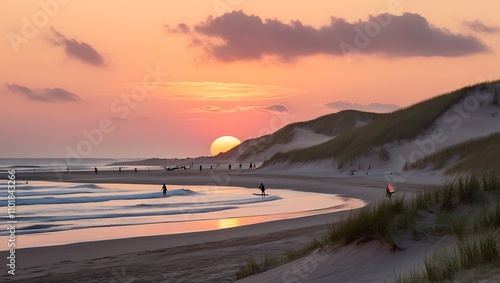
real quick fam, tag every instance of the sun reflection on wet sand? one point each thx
(228, 223)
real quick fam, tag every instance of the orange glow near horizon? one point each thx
(223, 144)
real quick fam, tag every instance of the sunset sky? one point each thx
(166, 78)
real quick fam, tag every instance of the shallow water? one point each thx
(50, 213)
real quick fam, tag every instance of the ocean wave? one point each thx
(207, 203)
(22, 187)
(39, 227)
(87, 186)
(125, 215)
(53, 193)
(24, 166)
(181, 192)
(87, 199)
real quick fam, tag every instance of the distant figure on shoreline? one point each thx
(229, 167)
(95, 170)
(164, 190)
(119, 169)
(201, 168)
(67, 169)
(262, 189)
(250, 167)
(135, 170)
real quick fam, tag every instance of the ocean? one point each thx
(54, 213)
(57, 164)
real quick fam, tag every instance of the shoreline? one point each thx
(37, 262)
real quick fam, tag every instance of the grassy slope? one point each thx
(466, 209)
(329, 125)
(478, 154)
(404, 124)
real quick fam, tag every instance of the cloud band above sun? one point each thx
(237, 36)
(224, 91)
(276, 108)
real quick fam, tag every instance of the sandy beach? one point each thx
(211, 256)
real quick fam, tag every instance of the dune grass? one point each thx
(403, 124)
(337, 123)
(329, 125)
(388, 219)
(476, 154)
(479, 253)
(269, 261)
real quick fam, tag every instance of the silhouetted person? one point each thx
(164, 190)
(135, 170)
(262, 189)
(119, 169)
(201, 168)
(240, 165)
(95, 170)
(229, 167)
(250, 166)
(67, 169)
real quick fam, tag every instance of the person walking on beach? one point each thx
(201, 168)
(164, 190)
(262, 189)
(95, 170)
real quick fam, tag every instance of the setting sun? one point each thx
(223, 144)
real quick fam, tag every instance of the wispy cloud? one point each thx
(180, 28)
(479, 26)
(345, 104)
(237, 36)
(280, 108)
(79, 50)
(44, 95)
(277, 108)
(224, 91)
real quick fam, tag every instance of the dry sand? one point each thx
(212, 256)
